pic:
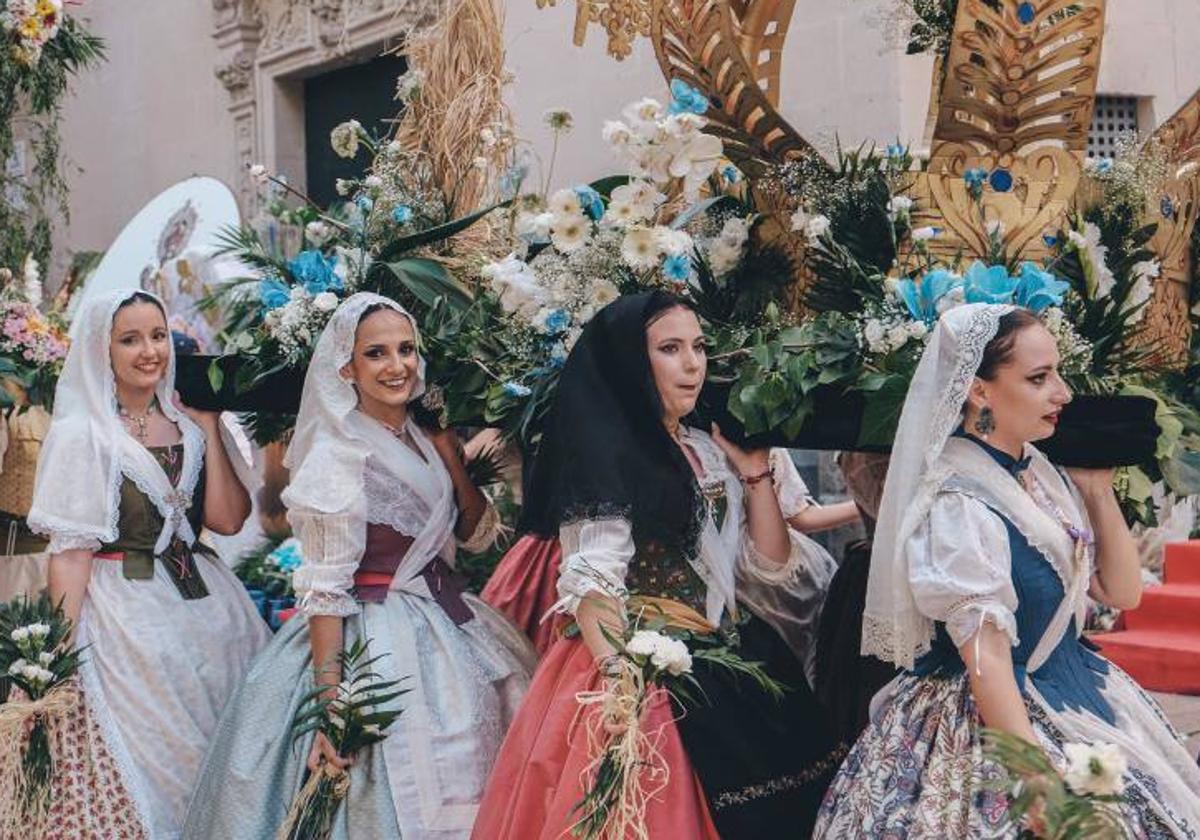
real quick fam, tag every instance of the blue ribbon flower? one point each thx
(402, 214)
(1037, 288)
(287, 556)
(516, 389)
(314, 271)
(685, 99)
(273, 293)
(922, 298)
(590, 201)
(677, 267)
(988, 284)
(731, 173)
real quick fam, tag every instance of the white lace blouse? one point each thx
(333, 544)
(596, 552)
(966, 578)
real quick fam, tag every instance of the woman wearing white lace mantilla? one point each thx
(983, 559)
(379, 505)
(126, 481)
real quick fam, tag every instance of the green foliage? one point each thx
(35, 94)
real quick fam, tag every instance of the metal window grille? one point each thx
(1113, 117)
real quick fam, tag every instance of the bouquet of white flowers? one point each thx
(626, 769)
(36, 659)
(1076, 806)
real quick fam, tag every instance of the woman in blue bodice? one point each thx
(984, 557)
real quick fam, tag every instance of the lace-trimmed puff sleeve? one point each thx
(960, 568)
(333, 546)
(596, 555)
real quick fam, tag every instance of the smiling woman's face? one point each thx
(140, 346)
(384, 363)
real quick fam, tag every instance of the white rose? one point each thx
(20, 634)
(723, 257)
(325, 302)
(917, 329)
(735, 231)
(535, 225)
(372, 182)
(343, 186)
(875, 335)
(671, 655)
(642, 643)
(897, 336)
(318, 232)
(258, 173)
(344, 138)
(899, 205)
(45, 658)
(1095, 770)
(816, 227)
(17, 667)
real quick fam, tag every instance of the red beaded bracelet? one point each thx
(749, 480)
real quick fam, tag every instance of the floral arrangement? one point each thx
(41, 48)
(37, 659)
(29, 25)
(1078, 805)
(33, 345)
(626, 769)
(267, 575)
(352, 718)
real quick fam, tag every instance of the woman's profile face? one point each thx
(678, 360)
(384, 362)
(139, 346)
(1027, 394)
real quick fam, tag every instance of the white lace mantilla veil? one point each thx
(328, 449)
(893, 628)
(76, 497)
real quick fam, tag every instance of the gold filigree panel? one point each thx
(1043, 184)
(1022, 75)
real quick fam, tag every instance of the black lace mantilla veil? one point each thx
(605, 452)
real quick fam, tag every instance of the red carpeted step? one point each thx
(1157, 660)
(1172, 607)
(1181, 562)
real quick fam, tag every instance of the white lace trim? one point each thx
(768, 570)
(485, 533)
(392, 502)
(64, 541)
(577, 579)
(322, 602)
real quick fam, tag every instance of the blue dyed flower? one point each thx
(556, 321)
(558, 356)
(287, 556)
(402, 214)
(364, 203)
(511, 180)
(1050, 239)
(273, 293)
(1037, 288)
(895, 151)
(590, 201)
(731, 174)
(988, 284)
(516, 389)
(975, 177)
(922, 298)
(685, 99)
(677, 267)
(314, 271)
(1102, 165)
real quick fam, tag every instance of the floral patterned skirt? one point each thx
(918, 770)
(89, 798)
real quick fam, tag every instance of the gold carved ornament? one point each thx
(1013, 98)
